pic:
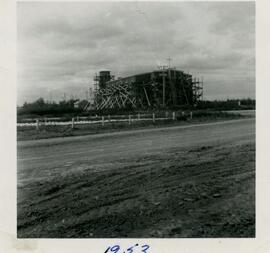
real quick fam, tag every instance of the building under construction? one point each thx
(161, 88)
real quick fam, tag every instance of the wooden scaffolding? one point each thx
(163, 88)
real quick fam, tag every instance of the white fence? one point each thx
(98, 120)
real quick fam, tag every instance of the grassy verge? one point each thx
(44, 132)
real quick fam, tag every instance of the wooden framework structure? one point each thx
(160, 88)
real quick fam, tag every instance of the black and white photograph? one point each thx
(136, 120)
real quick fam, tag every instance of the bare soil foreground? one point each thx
(182, 181)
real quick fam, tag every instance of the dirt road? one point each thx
(189, 181)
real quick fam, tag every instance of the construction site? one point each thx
(140, 160)
(163, 88)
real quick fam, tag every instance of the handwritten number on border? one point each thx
(116, 248)
(145, 248)
(113, 249)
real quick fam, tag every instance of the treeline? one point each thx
(230, 104)
(42, 108)
(66, 107)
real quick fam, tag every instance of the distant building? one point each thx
(80, 104)
(76, 104)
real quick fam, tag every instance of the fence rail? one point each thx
(98, 119)
(77, 118)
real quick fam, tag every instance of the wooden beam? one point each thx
(146, 96)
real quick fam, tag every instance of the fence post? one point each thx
(37, 125)
(166, 114)
(72, 123)
(139, 116)
(173, 115)
(129, 119)
(102, 120)
(190, 115)
(154, 118)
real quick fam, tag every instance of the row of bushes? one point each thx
(233, 104)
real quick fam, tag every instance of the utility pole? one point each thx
(164, 85)
(169, 69)
(50, 97)
(163, 80)
(169, 61)
(202, 88)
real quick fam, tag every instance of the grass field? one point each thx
(44, 132)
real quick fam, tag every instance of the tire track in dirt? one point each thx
(155, 198)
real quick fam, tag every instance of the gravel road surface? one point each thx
(180, 181)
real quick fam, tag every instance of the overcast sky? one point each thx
(62, 45)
